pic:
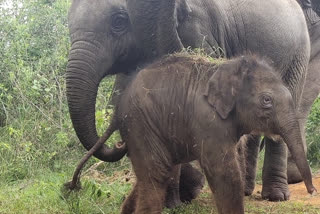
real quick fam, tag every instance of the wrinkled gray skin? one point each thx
(314, 4)
(312, 86)
(310, 93)
(103, 44)
(100, 46)
(181, 109)
(237, 27)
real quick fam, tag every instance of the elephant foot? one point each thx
(186, 196)
(248, 192)
(191, 183)
(172, 197)
(173, 202)
(189, 186)
(249, 187)
(274, 173)
(275, 194)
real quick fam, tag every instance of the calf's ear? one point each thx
(224, 85)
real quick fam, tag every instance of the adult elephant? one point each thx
(275, 29)
(316, 6)
(309, 94)
(103, 44)
(312, 86)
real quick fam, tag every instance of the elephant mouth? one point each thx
(272, 136)
(122, 67)
(125, 63)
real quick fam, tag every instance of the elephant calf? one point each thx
(183, 108)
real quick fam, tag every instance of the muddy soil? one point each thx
(298, 192)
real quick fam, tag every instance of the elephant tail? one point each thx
(115, 154)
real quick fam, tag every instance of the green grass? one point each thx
(103, 191)
(44, 193)
(291, 207)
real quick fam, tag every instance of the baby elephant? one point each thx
(183, 108)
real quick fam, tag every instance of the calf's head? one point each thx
(249, 91)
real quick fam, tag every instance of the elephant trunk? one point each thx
(85, 70)
(292, 137)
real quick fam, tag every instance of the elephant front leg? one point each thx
(172, 195)
(274, 173)
(251, 150)
(129, 205)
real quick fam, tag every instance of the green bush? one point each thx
(313, 134)
(35, 127)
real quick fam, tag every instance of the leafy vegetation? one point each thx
(36, 130)
(313, 134)
(38, 146)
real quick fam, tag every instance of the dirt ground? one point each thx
(298, 192)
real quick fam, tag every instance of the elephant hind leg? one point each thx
(129, 205)
(151, 197)
(145, 198)
(151, 191)
(153, 171)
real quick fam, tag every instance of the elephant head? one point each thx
(252, 92)
(101, 44)
(168, 26)
(155, 39)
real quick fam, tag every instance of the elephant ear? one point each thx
(225, 84)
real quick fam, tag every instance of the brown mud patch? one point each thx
(298, 192)
(301, 202)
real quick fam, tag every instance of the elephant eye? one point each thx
(119, 22)
(266, 101)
